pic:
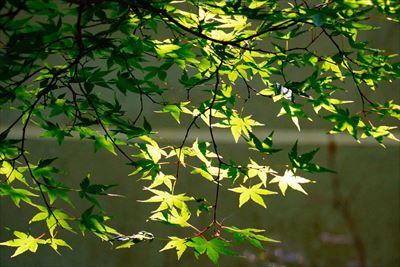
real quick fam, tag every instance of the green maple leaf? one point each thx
(160, 179)
(239, 125)
(12, 173)
(254, 193)
(23, 243)
(167, 200)
(177, 243)
(212, 248)
(176, 110)
(174, 217)
(126, 245)
(303, 161)
(16, 194)
(252, 235)
(105, 142)
(55, 243)
(262, 146)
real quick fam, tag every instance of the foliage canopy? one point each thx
(60, 60)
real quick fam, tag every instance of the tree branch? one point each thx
(215, 143)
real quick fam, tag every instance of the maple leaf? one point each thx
(291, 180)
(160, 179)
(12, 173)
(178, 243)
(303, 161)
(252, 235)
(174, 217)
(254, 193)
(213, 248)
(167, 200)
(23, 243)
(257, 170)
(239, 125)
(264, 146)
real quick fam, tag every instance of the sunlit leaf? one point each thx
(176, 243)
(253, 192)
(23, 243)
(291, 180)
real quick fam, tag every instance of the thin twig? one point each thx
(215, 143)
(349, 68)
(192, 123)
(235, 42)
(100, 122)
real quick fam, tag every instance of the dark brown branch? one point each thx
(46, 202)
(81, 53)
(100, 122)
(235, 42)
(12, 14)
(140, 110)
(141, 91)
(192, 123)
(312, 41)
(349, 68)
(79, 38)
(22, 148)
(215, 143)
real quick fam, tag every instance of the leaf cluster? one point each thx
(69, 68)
